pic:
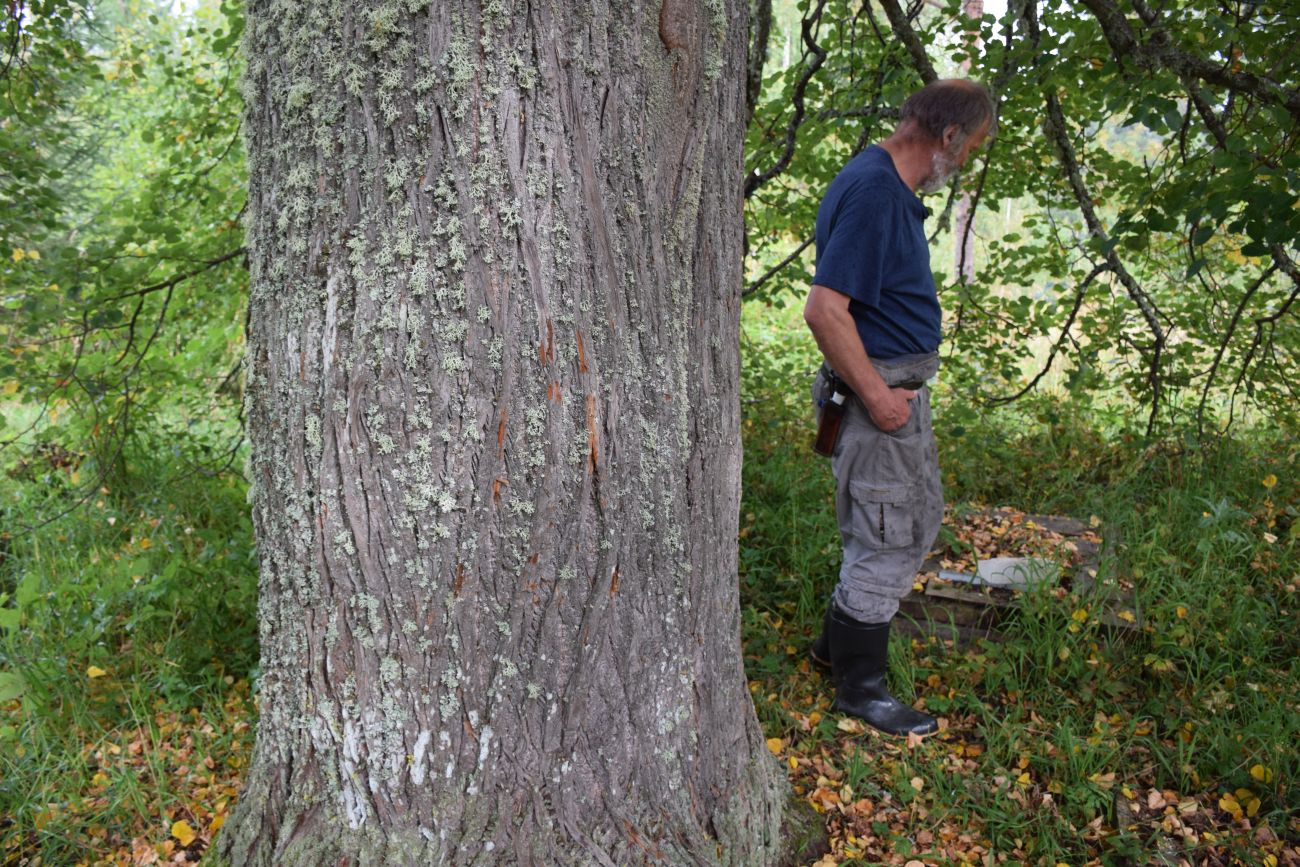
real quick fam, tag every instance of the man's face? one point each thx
(947, 161)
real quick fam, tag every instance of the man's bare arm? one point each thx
(828, 317)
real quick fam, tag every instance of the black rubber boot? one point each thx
(860, 658)
(820, 651)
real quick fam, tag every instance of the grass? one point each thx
(127, 643)
(128, 649)
(1067, 742)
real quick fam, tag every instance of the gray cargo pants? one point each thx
(888, 496)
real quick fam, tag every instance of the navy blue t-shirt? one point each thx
(871, 246)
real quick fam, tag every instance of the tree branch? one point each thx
(902, 27)
(760, 28)
(810, 21)
(776, 269)
(1159, 53)
(1223, 344)
(1080, 294)
(1055, 127)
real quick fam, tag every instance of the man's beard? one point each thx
(943, 165)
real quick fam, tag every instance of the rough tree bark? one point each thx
(492, 402)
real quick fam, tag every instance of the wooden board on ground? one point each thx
(964, 610)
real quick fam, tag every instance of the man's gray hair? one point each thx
(950, 102)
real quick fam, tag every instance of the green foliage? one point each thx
(122, 306)
(116, 621)
(1160, 272)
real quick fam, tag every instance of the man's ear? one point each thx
(950, 134)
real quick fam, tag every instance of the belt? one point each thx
(910, 385)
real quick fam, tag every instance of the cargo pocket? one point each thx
(885, 514)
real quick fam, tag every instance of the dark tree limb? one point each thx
(807, 28)
(1211, 120)
(902, 27)
(760, 29)
(776, 269)
(176, 279)
(1055, 127)
(1158, 53)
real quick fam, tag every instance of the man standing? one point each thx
(874, 311)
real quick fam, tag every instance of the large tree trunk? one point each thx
(492, 402)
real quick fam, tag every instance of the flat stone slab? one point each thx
(1019, 573)
(964, 605)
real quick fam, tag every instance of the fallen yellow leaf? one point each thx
(95, 671)
(775, 745)
(1126, 616)
(1269, 481)
(183, 832)
(1261, 773)
(850, 726)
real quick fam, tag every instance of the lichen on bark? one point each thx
(492, 403)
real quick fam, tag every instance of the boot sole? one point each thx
(887, 733)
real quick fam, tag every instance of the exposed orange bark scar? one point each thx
(501, 432)
(546, 349)
(593, 441)
(582, 355)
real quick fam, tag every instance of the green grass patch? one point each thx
(127, 647)
(1069, 741)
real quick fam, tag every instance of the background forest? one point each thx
(1119, 274)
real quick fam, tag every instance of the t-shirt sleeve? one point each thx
(853, 253)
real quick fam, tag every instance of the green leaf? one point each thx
(12, 686)
(28, 590)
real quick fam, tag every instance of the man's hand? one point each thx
(827, 315)
(889, 409)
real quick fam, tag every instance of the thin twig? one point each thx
(1080, 294)
(776, 269)
(1227, 339)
